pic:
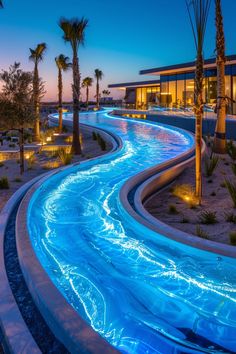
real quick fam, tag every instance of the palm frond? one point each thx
(74, 30)
(37, 54)
(198, 12)
(87, 82)
(63, 62)
(98, 74)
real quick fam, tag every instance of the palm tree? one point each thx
(63, 64)
(87, 82)
(106, 93)
(98, 76)
(198, 11)
(37, 55)
(74, 33)
(220, 137)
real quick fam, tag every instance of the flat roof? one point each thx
(190, 66)
(136, 84)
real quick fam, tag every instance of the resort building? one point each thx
(174, 87)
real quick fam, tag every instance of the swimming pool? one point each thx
(132, 285)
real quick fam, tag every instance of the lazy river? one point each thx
(142, 292)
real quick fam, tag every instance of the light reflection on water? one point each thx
(131, 284)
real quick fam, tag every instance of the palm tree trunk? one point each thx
(87, 97)
(76, 147)
(97, 93)
(60, 87)
(220, 136)
(36, 104)
(198, 124)
(22, 160)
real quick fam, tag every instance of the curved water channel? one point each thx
(135, 287)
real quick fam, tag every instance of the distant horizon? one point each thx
(122, 40)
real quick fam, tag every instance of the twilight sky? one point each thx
(123, 37)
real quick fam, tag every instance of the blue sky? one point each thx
(122, 37)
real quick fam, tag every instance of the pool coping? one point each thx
(16, 335)
(64, 321)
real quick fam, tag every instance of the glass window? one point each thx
(152, 96)
(138, 97)
(228, 93)
(164, 99)
(212, 90)
(141, 98)
(189, 92)
(180, 94)
(172, 94)
(228, 86)
(234, 94)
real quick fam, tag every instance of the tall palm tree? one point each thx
(220, 136)
(98, 76)
(37, 55)
(87, 82)
(74, 33)
(63, 64)
(198, 11)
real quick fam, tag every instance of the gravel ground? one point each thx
(215, 199)
(11, 168)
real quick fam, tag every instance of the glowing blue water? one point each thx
(133, 286)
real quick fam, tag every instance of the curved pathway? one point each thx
(134, 286)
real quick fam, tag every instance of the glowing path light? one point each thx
(132, 285)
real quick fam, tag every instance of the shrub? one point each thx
(201, 233)
(232, 236)
(17, 179)
(101, 142)
(232, 191)
(173, 209)
(4, 184)
(31, 161)
(208, 217)
(233, 166)
(52, 153)
(94, 136)
(185, 192)
(98, 138)
(184, 220)
(210, 165)
(64, 157)
(64, 129)
(50, 165)
(230, 217)
(231, 150)
(81, 139)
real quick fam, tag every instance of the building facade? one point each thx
(174, 88)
